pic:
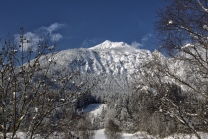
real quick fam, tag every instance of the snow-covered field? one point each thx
(99, 134)
(94, 109)
(19, 135)
(188, 136)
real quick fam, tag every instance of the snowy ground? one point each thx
(19, 135)
(100, 135)
(189, 136)
(94, 109)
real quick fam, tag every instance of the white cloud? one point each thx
(146, 37)
(136, 44)
(52, 27)
(39, 34)
(29, 36)
(144, 41)
(56, 37)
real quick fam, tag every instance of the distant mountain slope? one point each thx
(111, 64)
(114, 58)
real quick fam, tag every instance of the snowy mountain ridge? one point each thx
(110, 45)
(105, 58)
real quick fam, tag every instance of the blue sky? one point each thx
(82, 23)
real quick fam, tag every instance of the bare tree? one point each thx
(34, 96)
(112, 130)
(180, 81)
(83, 127)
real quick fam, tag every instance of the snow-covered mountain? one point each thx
(112, 63)
(114, 58)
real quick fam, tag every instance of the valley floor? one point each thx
(99, 134)
(96, 109)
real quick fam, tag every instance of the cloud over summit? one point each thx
(40, 34)
(52, 27)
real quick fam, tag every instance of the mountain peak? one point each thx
(110, 45)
